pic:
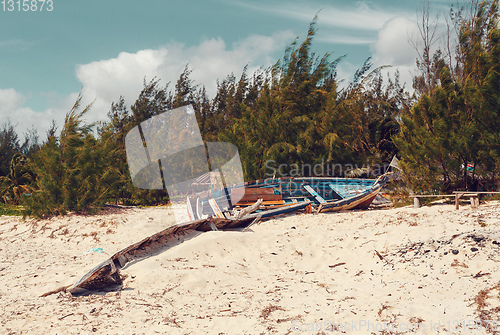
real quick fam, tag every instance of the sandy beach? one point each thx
(382, 271)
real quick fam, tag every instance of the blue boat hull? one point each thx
(324, 193)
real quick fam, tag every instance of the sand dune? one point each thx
(429, 270)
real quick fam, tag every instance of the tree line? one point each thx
(295, 112)
(449, 139)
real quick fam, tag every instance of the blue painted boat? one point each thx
(361, 200)
(290, 194)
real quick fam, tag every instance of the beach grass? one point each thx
(11, 210)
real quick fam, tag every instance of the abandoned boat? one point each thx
(285, 195)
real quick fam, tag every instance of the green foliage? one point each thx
(31, 144)
(358, 123)
(72, 173)
(151, 101)
(294, 114)
(16, 184)
(457, 122)
(432, 142)
(10, 210)
(9, 146)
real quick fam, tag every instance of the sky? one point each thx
(106, 49)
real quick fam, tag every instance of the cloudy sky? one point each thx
(109, 47)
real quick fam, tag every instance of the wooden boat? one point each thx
(202, 208)
(107, 273)
(289, 194)
(362, 200)
(224, 203)
(283, 195)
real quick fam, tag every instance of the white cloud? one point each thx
(393, 48)
(358, 16)
(212, 59)
(345, 39)
(385, 30)
(10, 100)
(392, 45)
(122, 75)
(23, 118)
(390, 48)
(106, 80)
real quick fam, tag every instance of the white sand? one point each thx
(286, 276)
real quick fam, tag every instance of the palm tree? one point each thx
(17, 182)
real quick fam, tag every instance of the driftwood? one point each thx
(60, 289)
(107, 273)
(249, 209)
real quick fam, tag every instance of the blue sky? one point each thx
(109, 47)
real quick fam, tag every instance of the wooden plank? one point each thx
(251, 195)
(315, 194)
(191, 212)
(360, 201)
(336, 191)
(347, 192)
(215, 208)
(474, 201)
(479, 192)
(268, 203)
(278, 211)
(249, 209)
(199, 209)
(457, 199)
(253, 190)
(471, 195)
(431, 195)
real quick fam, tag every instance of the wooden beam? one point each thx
(215, 208)
(249, 209)
(315, 194)
(416, 202)
(472, 197)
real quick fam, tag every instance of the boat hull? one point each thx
(361, 201)
(107, 273)
(324, 193)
